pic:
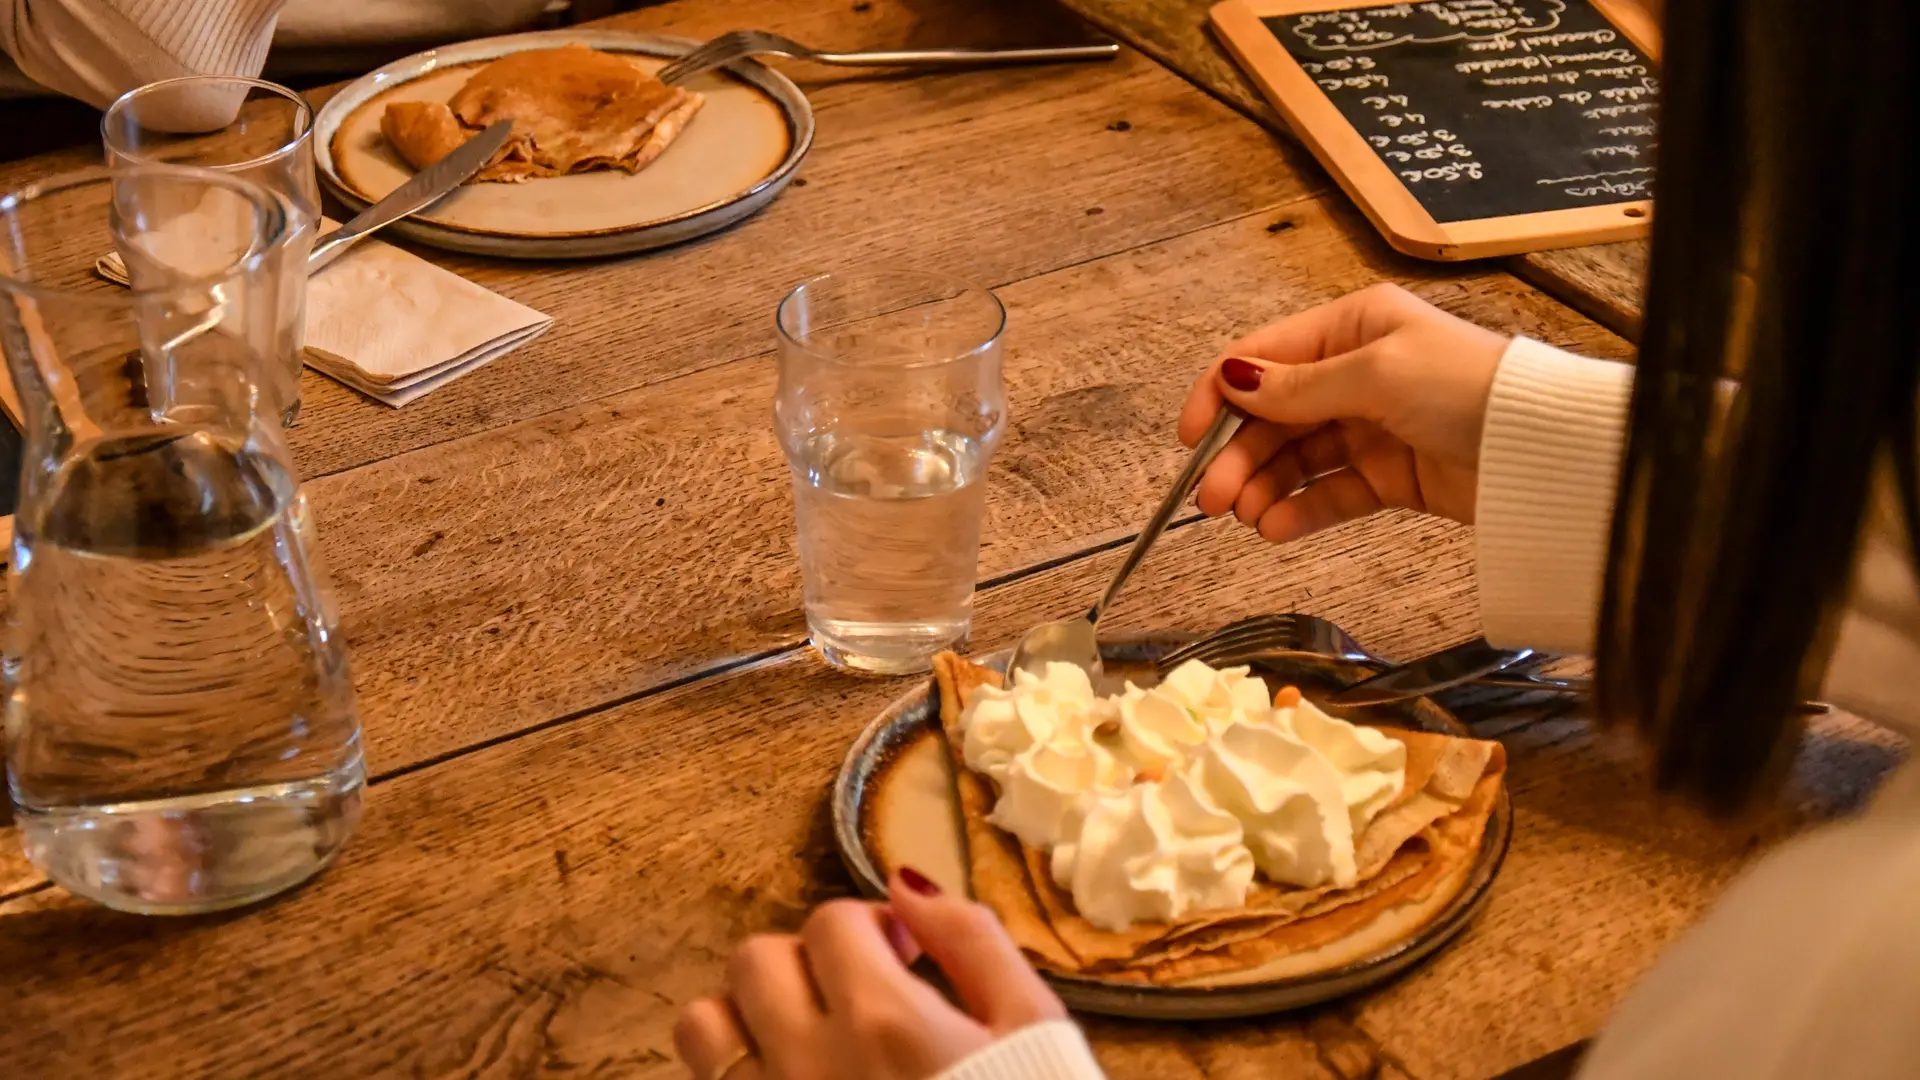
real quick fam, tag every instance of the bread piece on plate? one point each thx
(574, 109)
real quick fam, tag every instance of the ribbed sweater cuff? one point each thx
(227, 36)
(1052, 1050)
(1549, 462)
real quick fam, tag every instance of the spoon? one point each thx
(1074, 641)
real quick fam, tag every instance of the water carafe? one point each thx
(181, 734)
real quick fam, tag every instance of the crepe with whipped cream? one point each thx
(1200, 827)
(574, 109)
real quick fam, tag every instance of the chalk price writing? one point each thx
(1345, 63)
(1454, 170)
(1355, 82)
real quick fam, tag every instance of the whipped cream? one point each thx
(1162, 801)
(1153, 854)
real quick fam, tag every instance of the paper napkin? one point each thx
(395, 327)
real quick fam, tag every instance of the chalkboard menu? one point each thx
(1488, 108)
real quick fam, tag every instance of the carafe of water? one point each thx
(181, 733)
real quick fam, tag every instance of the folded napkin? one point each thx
(394, 326)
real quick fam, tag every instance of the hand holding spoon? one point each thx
(1074, 641)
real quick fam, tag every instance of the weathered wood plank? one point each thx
(500, 581)
(544, 905)
(898, 174)
(1603, 281)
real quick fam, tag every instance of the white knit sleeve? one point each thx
(1052, 1050)
(1549, 462)
(96, 50)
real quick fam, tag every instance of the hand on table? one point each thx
(1372, 401)
(838, 1001)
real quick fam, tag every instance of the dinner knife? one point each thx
(427, 186)
(1464, 662)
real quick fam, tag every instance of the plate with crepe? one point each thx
(1206, 846)
(604, 158)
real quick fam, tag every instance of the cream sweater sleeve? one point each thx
(1810, 964)
(1053, 1050)
(96, 50)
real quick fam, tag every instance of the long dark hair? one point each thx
(1780, 363)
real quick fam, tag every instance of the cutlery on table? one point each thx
(427, 187)
(1450, 666)
(740, 44)
(1277, 635)
(1263, 636)
(1073, 641)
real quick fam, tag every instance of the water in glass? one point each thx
(890, 407)
(889, 538)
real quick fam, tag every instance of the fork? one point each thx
(1268, 635)
(1265, 635)
(741, 44)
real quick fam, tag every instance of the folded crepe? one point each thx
(1409, 856)
(574, 109)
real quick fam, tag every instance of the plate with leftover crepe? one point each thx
(1204, 846)
(604, 158)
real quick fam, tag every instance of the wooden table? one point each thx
(1603, 281)
(601, 747)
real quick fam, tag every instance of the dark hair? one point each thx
(1780, 362)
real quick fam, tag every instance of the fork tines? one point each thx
(1235, 640)
(725, 49)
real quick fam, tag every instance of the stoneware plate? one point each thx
(735, 155)
(893, 803)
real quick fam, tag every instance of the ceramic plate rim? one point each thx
(1189, 1002)
(789, 98)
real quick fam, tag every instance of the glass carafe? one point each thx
(181, 730)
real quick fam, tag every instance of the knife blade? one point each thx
(1461, 663)
(427, 187)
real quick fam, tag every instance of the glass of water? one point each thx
(252, 129)
(890, 407)
(180, 726)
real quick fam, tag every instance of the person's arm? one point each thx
(96, 50)
(1549, 462)
(307, 24)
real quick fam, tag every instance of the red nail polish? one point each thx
(918, 882)
(1240, 374)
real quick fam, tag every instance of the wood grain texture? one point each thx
(543, 906)
(501, 581)
(897, 175)
(1605, 282)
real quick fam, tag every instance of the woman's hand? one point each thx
(1374, 400)
(838, 1001)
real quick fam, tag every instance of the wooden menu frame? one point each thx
(1370, 182)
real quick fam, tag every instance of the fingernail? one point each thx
(1240, 374)
(902, 940)
(918, 882)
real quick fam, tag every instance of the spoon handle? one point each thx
(1209, 447)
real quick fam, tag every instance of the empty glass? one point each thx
(890, 407)
(259, 131)
(181, 731)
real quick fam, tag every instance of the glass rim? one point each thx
(128, 296)
(962, 287)
(303, 120)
